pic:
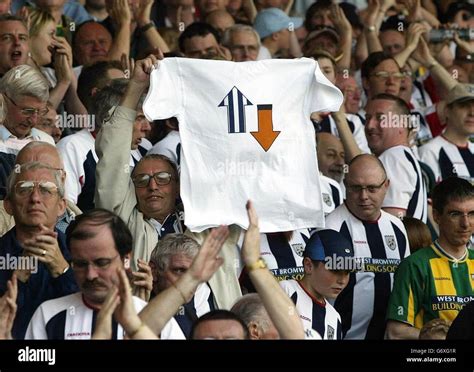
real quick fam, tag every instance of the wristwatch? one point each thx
(259, 264)
(146, 27)
(371, 28)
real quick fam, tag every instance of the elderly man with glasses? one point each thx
(34, 249)
(24, 94)
(146, 198)
(380, 242)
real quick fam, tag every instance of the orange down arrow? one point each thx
(265, 135)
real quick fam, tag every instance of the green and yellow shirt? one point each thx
(431, 284)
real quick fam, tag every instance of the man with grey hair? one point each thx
(36, 252)
(171, 258)
(78, 150)
(24, 93)
(251, 310)
(47, 154)
(243, 42)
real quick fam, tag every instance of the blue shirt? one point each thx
(40, 286)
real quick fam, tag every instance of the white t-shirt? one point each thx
(169, 146)
(246, 134)
(263, 53)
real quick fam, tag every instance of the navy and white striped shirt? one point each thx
(380, 245)
(284, 258)
(407, 188)
(322, 317)
(447, 159)
(201, 303)
(70, 318)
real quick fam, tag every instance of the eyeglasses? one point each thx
(161, 178)
(46, 189)
(384, 75)
(99, 264)
(456, 216)
(29, 111)
(370, 188)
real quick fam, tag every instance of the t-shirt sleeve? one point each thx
(406, 296)
(324, 96)
(401, 179)
(429, 157)
(164, 96)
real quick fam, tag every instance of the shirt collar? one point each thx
(5, 134)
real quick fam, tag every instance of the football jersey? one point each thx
(322, 317)
(332, 194)
(379, 246)
(430, 284)
(446, 159)
(328, 125)
(407, 188)
(284, 258)
(69, 318)
(201, 303)
(246, 133)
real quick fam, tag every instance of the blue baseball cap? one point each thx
(328, 243)
(272, 20)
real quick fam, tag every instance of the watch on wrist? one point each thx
(259, 264)
(146, 27)
(371, 28)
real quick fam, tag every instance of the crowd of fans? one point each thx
(93, 242)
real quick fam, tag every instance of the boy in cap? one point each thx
(275, 30)
(328, 258)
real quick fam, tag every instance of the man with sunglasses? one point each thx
(35, 199)
(380, 243)
(146, 198)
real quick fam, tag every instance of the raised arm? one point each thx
(150, 32)
(119, 12)
(279, 306)
(165, 305)
(114, 188)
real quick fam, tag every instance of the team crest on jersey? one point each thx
(327, 199)
(390, 241)
(298, 248)
(330, 333)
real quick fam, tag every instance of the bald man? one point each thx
(220, 19)
(45, 153)
(35, 199)
(380, 242)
